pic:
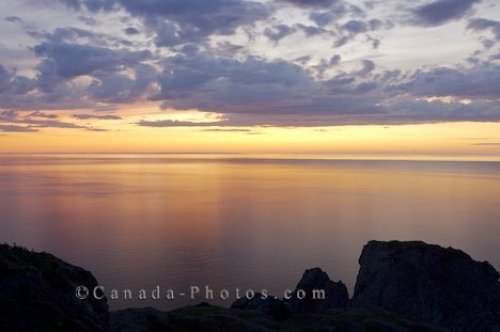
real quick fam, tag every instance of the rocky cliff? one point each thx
(441, 286)
(37, 293)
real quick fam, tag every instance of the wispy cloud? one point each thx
(39, 114)
(33, 121)
(97, 116)
(176, 123)
(231, 130)
(17, 129)
(488, 144)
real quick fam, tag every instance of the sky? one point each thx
(256, 76)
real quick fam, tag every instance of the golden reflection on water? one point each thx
(176, 221)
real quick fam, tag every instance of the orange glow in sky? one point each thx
(124, 135)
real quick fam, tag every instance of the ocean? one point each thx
(238, 222)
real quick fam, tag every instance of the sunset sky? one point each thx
(281, 76)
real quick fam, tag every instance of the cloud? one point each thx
(481, 81)
(8, 115)
(487, 144)
(50, 124)
(368, 67)
(312, 3)
(278, 32)
(336, 12)
(17, 129)
(482, 24)
(120, 87)
(13, 84)
(353, 28)
(334, 60)
(441, 11)
(118, 75)
(13, 19)
(96, 129)
(61, 58)
(259, 92)
(311, 30)
(131, 31)
(229, 130)
(179, 22)
(87, 20)
(176, 123)
(228, 85)
(84, 116)
(410, 110)
(38, 114)
(33, 121)
(324, 64)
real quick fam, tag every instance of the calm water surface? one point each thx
(176, 221)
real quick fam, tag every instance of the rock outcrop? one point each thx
(335, 293)
(208, 318)
(314, 293)
(269, 306)
(441, 286)
(202, 317)
(37, 293)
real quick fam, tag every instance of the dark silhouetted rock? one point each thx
(37, 293)
(204, 318)
(270, 306)
(440, 286)
(137, 320)
(217, 319)
(335, 293)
